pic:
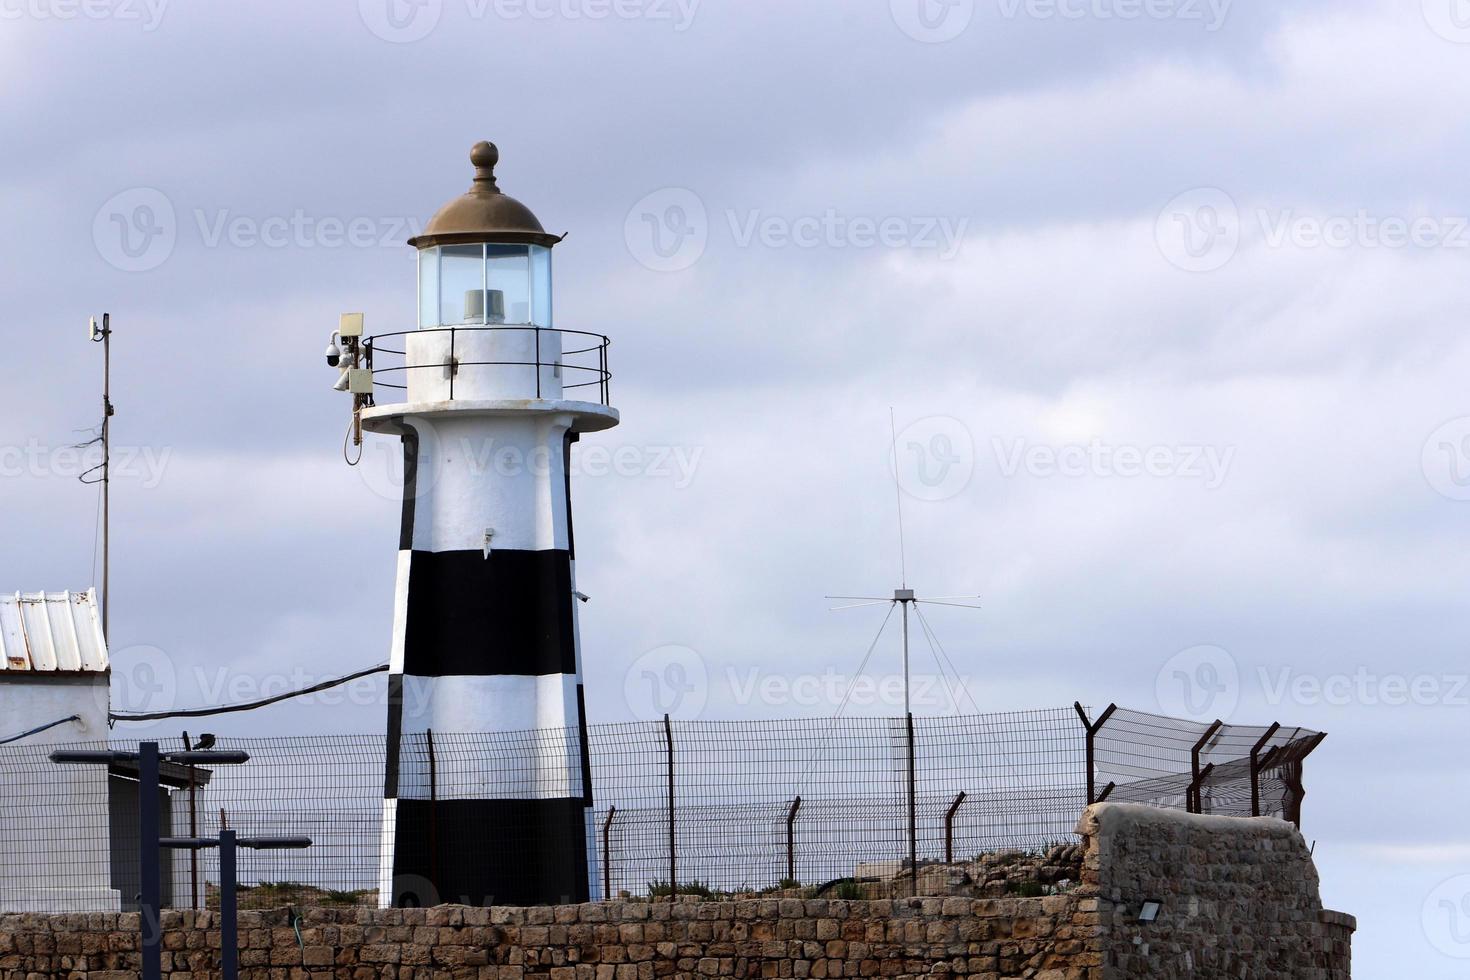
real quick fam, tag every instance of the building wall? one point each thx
(31, 698)
(48, 811)
(1240, 900)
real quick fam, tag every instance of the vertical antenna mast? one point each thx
(904, 595)
(103, 335)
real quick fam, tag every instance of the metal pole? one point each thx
(913, 811)
(433, 812)
(229, 937)
(149, 870)
(1256, 768)
(791, 839)
(949, 828)
(1194, 764)
(906, 708)
(1092, 729)
(673, 863)
(607, 854)
(193, 831)
(106, 466)
(1194, 788)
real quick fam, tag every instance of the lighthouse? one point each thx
(487, 789)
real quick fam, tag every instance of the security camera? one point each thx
(334, 353)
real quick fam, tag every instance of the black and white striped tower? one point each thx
(487, 397)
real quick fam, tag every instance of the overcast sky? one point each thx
(1167, 296)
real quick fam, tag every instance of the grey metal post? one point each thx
(229, 936)
(791, 839)
(607, 854)
(913, 813)
(1256, 767)
(949, 828)
(673, 860)
(150, 872)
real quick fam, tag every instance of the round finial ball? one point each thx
(484, 155)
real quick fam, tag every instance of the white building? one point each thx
(54, 820)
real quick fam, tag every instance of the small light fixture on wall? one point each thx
(1149, 911)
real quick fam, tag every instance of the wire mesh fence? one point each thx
(726, 806)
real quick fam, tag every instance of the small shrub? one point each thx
(849, 891)
(659, 889)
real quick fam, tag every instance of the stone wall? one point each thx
(1239, 897)
(1239, 900)
(818, 938)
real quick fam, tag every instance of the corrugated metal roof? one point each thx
(51, 632)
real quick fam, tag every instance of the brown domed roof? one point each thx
(484, 214)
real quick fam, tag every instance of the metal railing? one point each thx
(587, 362)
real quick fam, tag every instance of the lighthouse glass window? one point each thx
(485, 285)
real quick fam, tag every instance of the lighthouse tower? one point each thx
(488, 789)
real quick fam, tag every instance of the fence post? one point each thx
(1293, 780)
(791, 839)
(1191, 798)
(433, 811)
(949, 828)
(150, 872)
(193, 831)
(607, 854)
(673, 860)
(1194, 789)
(913, 812)
(1092, 729)
(1256, 767)
(229, 926)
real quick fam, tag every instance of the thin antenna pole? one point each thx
(903, 562)
(106, 464)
